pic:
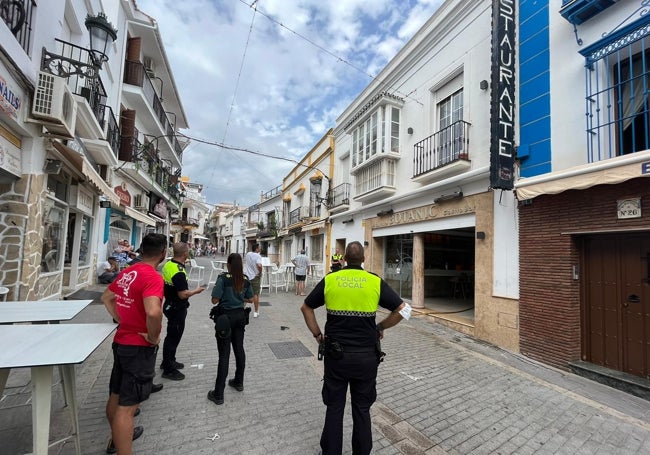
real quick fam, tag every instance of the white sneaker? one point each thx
(255, 314)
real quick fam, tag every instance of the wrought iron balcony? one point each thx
(19, 15)
(149, 162)
(444, 147)
(294, 216)
(135, 73)
(109, 124)
(339, 196)
(186, 222)
(271, 193)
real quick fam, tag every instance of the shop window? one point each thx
(84, 238)
(53, 235)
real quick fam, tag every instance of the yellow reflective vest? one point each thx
(352, 292)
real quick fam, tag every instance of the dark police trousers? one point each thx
(236, 338)
(359, 369)
(175, 328)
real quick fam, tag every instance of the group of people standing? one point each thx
(139, 296)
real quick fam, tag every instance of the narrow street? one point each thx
(439, 392)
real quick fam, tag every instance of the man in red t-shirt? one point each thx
(134, 300)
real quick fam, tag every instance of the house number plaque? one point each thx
(629, 208)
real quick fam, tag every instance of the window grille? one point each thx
(617, 88)
(377, 175)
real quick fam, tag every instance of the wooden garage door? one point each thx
(616, 300)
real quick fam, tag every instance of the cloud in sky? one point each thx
(246, 81)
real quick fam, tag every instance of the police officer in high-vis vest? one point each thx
(337, 261)
(177, 296)
(350, 345)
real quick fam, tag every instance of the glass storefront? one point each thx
(448, 264)
(398, 264)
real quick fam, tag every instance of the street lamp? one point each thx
(100, 31)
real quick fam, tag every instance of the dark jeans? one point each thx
(175, 328)
(107, 277)
(360, 371)
(237, 329)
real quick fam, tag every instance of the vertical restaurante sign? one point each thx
(502, 108)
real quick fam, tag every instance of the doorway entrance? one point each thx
(616, 302)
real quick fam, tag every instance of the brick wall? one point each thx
(550, 328)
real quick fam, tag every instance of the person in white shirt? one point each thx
(107, 270)
(253, 271)
(301, 263)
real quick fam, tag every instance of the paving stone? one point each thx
(439, 392)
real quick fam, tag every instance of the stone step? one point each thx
(626, 382)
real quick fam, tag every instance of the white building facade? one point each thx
(66, 190)
(429, 187)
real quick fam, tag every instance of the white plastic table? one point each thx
(291, 278)
(41, 310)
(41, 348)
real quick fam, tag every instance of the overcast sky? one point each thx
(249, 82)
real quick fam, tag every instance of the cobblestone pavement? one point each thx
(439, 392)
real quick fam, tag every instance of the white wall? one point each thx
(568, 91)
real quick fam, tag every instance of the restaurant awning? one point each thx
(200, 237)
(611, 171)
(139, 216)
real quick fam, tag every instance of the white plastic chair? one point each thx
(215, 270)
(316, 274)
(279, 278)
(195, 269)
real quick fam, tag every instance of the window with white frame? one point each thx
(617, 94)
(378, 134)
(451, 130)
(378, 174)
(451, 109)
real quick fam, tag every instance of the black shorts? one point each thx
(301, 277)
(134, 368)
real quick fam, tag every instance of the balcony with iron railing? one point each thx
(19, 16)
(95, 119)
(136, 74)
(148, 168)
(277, 191)
(187, 223)
(339, 198)
(443, 153)
(294, 216)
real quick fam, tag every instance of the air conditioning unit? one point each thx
(149, 66)
(54, 105)
(141, 201)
